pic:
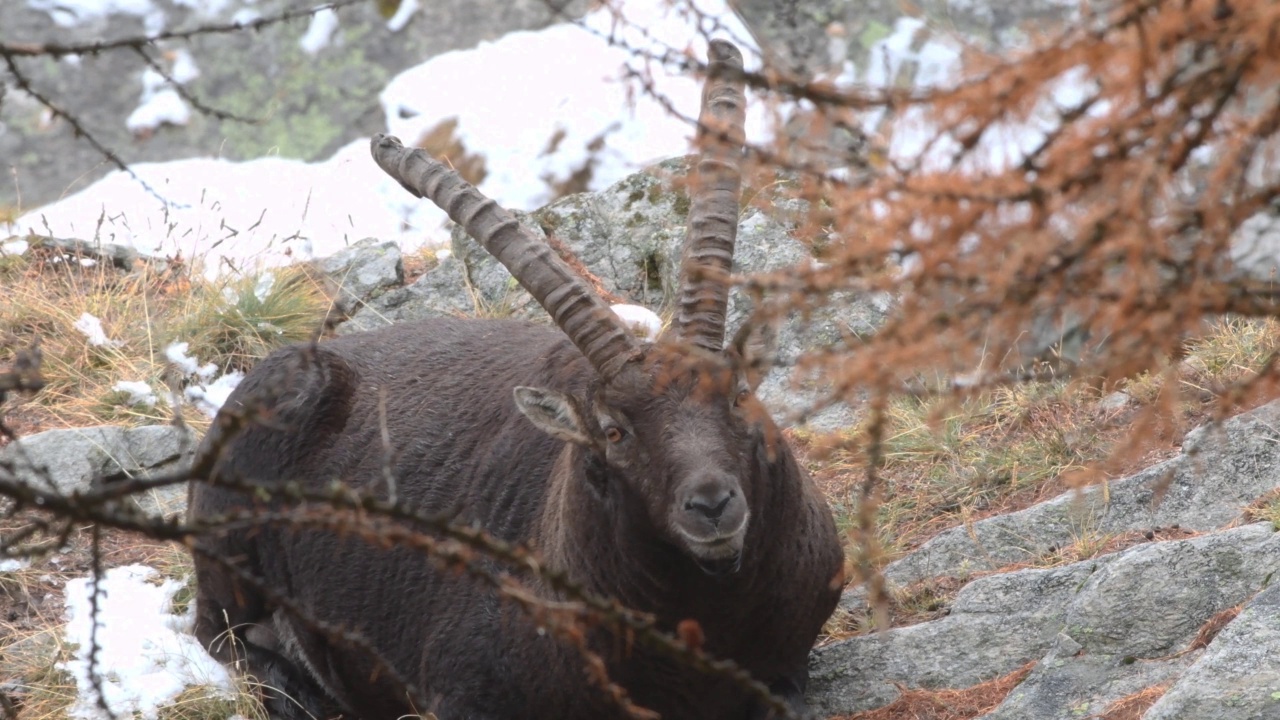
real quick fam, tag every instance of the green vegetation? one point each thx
(249, 316)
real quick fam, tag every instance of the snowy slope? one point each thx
(510, 96)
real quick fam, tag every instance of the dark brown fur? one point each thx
(461, 446)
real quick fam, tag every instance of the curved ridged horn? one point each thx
(574, 307)
(715, 193)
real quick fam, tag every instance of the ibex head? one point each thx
(669, 443)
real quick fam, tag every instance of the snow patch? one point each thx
(274, 211)
(206, 396)
(937, 58)
(92, 329)
(642, 321)
(146, 655)
(161, 104)
(244, 16)
(539, 106)
(139, 393)
(208, 399)
(184, 67)
(177, 354)
(266, 281)
(14, 565)
(319, 31)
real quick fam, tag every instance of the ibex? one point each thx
(645, 472)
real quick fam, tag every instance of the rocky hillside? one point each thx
(1147, 596)
(1172, 606)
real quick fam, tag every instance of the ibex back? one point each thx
(644, 472)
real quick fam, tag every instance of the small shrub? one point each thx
(30, 663)
(1265, 509)
(235, 323)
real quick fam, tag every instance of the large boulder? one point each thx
(1238, 675)
(1100, 630)
(629, 237)
(77, 460)
(361, 272)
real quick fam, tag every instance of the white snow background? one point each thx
(510, 97)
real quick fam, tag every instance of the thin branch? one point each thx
(77, 127)
(190, 97)
(58, 50)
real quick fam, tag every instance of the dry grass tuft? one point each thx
(919, 602)
(1089, 544)
(235, 322)
(34, 682)
(204, 703)
(1265, 509)
(141, 311)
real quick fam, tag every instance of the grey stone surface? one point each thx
(71, 460)
(997, 624)
(1133, 619)
(309, 106)
(1255, 250)
(1100, 629)
(1115, 402)
(1238, 676)
(440, 292)
(1079, 686)
(362, 271)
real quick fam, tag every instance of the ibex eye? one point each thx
(742, 396)
(613, 434)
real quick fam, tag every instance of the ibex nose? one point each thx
(710, 501)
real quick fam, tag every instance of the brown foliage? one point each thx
(1212, 627)
(916, 704)
(1091, 183)
(1132, 707)
(1119, 215)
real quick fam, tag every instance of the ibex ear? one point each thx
(555, 414)
(755, 344)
